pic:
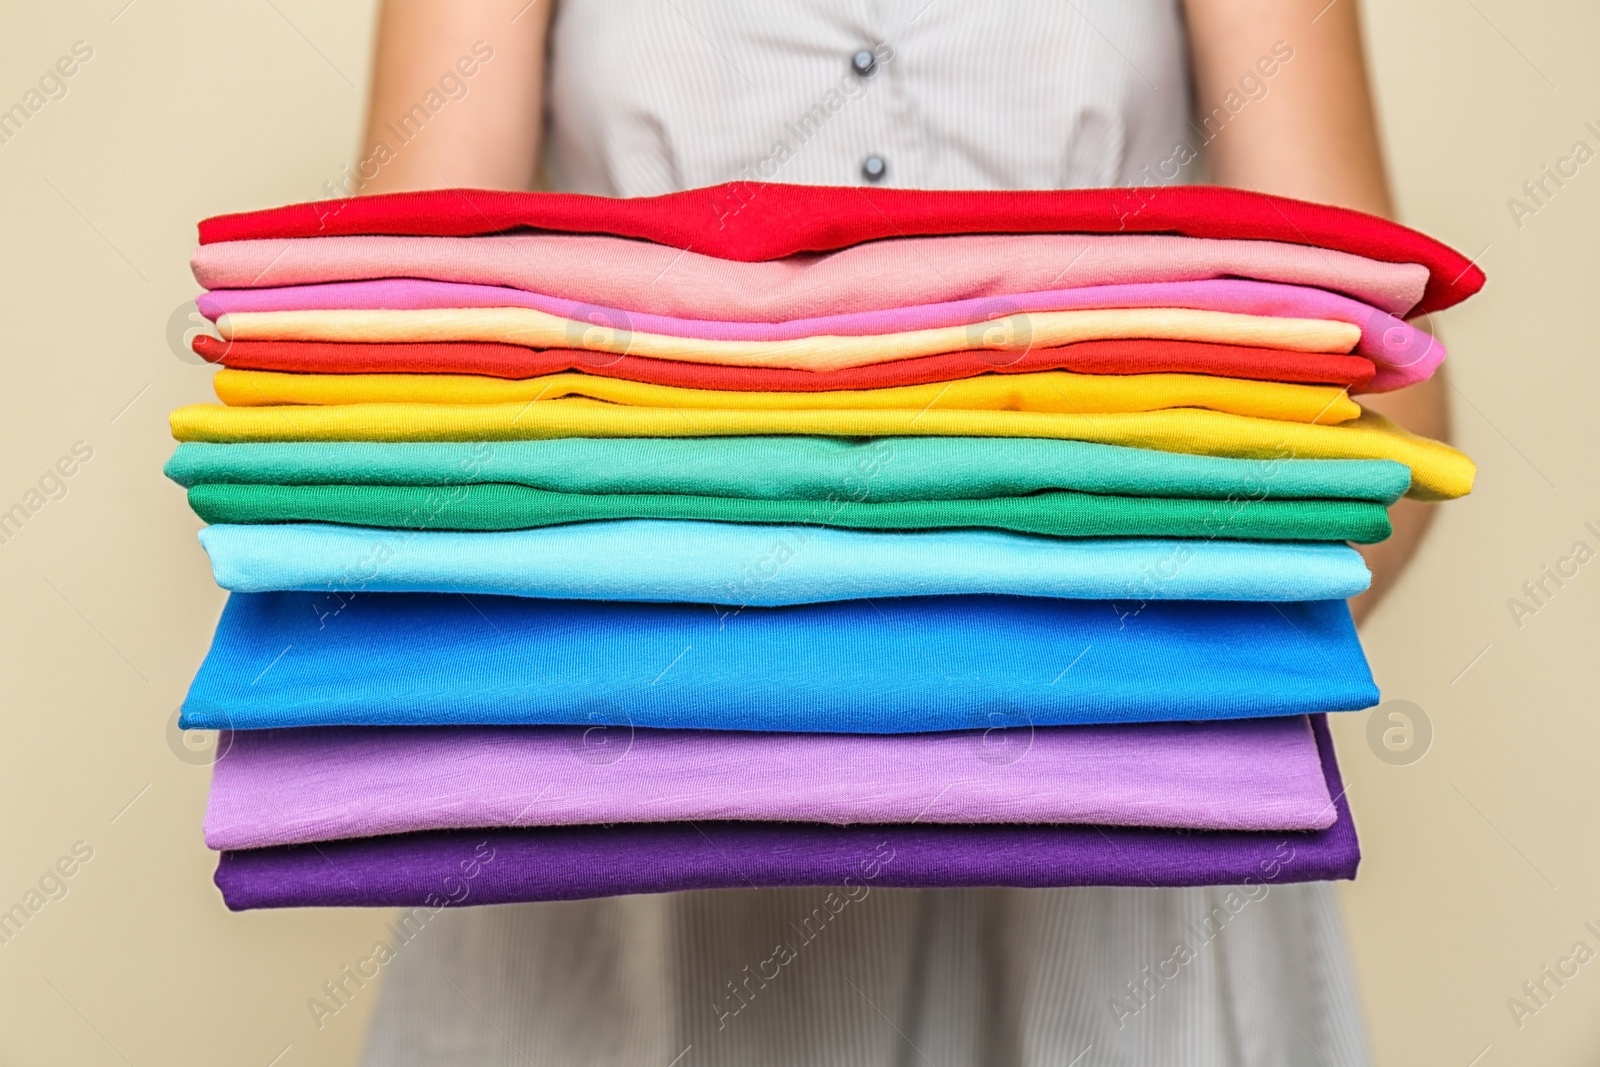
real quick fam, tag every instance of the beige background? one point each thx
(1480, 859)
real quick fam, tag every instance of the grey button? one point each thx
(873, 168)
(864, 63)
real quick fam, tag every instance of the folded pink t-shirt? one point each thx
(652, 278)
(1403, 354)
(314, 784)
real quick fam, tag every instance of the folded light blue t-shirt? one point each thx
(743, 565)
(978, 663)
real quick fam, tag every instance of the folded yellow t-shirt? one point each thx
(536, 329)
(1051, 391)
(1437, 470)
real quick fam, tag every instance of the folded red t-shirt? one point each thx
(759, 221)
(515, 361)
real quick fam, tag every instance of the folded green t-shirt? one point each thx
(879, 469)
(498, 506)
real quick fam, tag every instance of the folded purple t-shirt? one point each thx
(279, 787)
(502, 866)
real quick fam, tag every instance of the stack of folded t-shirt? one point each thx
(766, 535)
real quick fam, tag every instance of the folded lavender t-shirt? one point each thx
(277, 787)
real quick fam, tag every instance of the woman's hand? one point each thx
(1311, 135)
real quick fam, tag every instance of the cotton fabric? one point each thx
(1437, 470)
(641, 101)
(1400, 350)
(1138, 356)
(536, 329)
(564, 863)
(493, 506)
(1051, 391)
(793, 468)
(763, 221)
(769, 566)
(643, 277)
(890, 666)
(279, 787)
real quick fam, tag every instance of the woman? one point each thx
(637, 97)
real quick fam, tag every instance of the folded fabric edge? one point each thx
(339, 559)
(188, 468)
(508, 361)
(229, 827)
(421, 509)
(1251, 215)
(204, 714)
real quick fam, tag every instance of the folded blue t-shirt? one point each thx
(859, 666)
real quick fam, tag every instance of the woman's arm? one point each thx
(486, 133)
(1313, 136)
